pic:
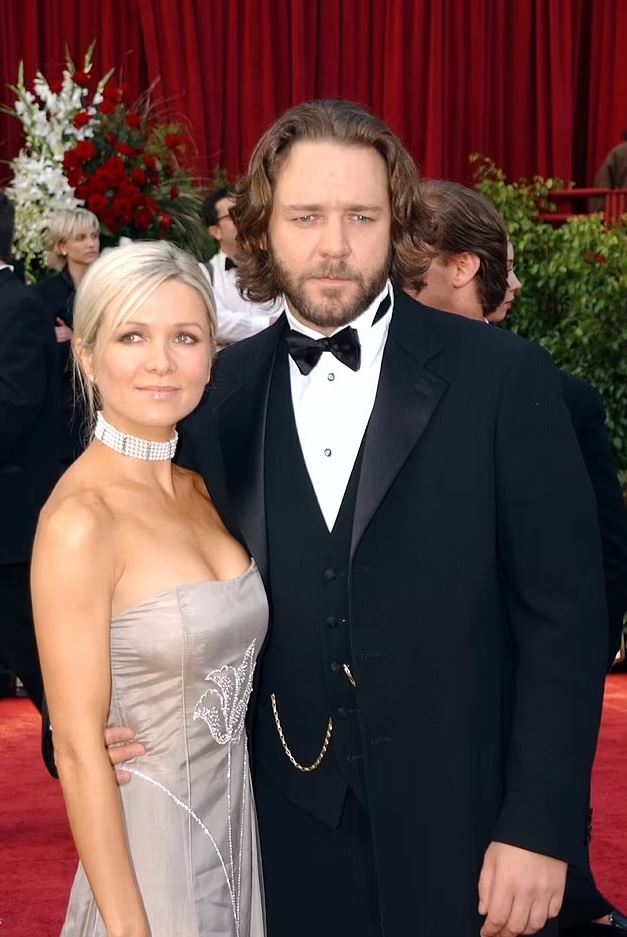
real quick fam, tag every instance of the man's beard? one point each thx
(330, 312)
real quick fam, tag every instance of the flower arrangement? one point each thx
(128, 173)
(39, 186)
(87, 144)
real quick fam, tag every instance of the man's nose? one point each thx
(334, 238)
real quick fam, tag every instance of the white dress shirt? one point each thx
(237, 317)
(332, 406)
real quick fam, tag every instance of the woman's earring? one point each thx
(91, 378)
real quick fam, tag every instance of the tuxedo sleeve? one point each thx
(589, 422)
(24, 370)
(550, 553)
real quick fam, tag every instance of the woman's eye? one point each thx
(184, 338)
(131, 338)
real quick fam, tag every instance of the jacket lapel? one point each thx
(240, 408)
(407, 397)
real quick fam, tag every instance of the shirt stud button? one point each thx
(331, 376)
(327, 453)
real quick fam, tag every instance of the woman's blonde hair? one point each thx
(124, 278)
(65, 223)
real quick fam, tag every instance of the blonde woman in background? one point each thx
(149, 614)
(73, 245)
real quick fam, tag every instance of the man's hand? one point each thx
(62, 331)
(519, 890)
(122, 747)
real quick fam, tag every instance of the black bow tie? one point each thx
(230, 264)
(307, 352)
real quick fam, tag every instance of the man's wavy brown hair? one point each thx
(347, 124)
(463, 221)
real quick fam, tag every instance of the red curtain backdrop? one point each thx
(538, 85)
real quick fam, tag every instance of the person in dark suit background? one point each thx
(73, 245)
(29, 461)
(612, 173)
(467, 278)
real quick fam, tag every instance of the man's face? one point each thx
(329, 231)
(225, 231)
(513, 287)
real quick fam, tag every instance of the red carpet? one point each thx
(38, 858)
(609, 796)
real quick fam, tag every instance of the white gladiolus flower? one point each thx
(39, 186)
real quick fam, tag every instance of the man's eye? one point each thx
(305, 219)
(362, 219)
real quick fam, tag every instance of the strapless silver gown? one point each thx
(182, 668)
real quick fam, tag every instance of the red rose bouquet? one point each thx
(129, 175)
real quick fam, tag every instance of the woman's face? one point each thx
(513, 286)
(153, 369)
(82, 247)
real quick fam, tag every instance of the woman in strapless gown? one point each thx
(174, 853)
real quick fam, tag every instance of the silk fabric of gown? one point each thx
(182, 667)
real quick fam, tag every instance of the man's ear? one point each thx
(215, 232)
(466, 268)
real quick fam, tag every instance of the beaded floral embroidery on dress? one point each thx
(229, 692)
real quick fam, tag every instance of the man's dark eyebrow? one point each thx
(370, 209)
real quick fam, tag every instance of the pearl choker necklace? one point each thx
(133, 446)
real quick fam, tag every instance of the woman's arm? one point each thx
(73, 577)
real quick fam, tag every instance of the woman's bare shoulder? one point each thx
(77, 513)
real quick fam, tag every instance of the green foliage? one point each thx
(574, 295)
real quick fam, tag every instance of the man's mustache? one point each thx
(330, 271)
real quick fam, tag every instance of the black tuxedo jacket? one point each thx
(29, 462)
(58, 294)
(586, 409)
(475, 590)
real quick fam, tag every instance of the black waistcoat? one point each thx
(310, 638)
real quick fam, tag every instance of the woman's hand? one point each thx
(62, 331)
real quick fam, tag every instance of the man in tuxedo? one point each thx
(29, 463)
(427, 705)
(466, 277)
(237, 317)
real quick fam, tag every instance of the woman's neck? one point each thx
(76, 271)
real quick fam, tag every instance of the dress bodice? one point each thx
(182, 665)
